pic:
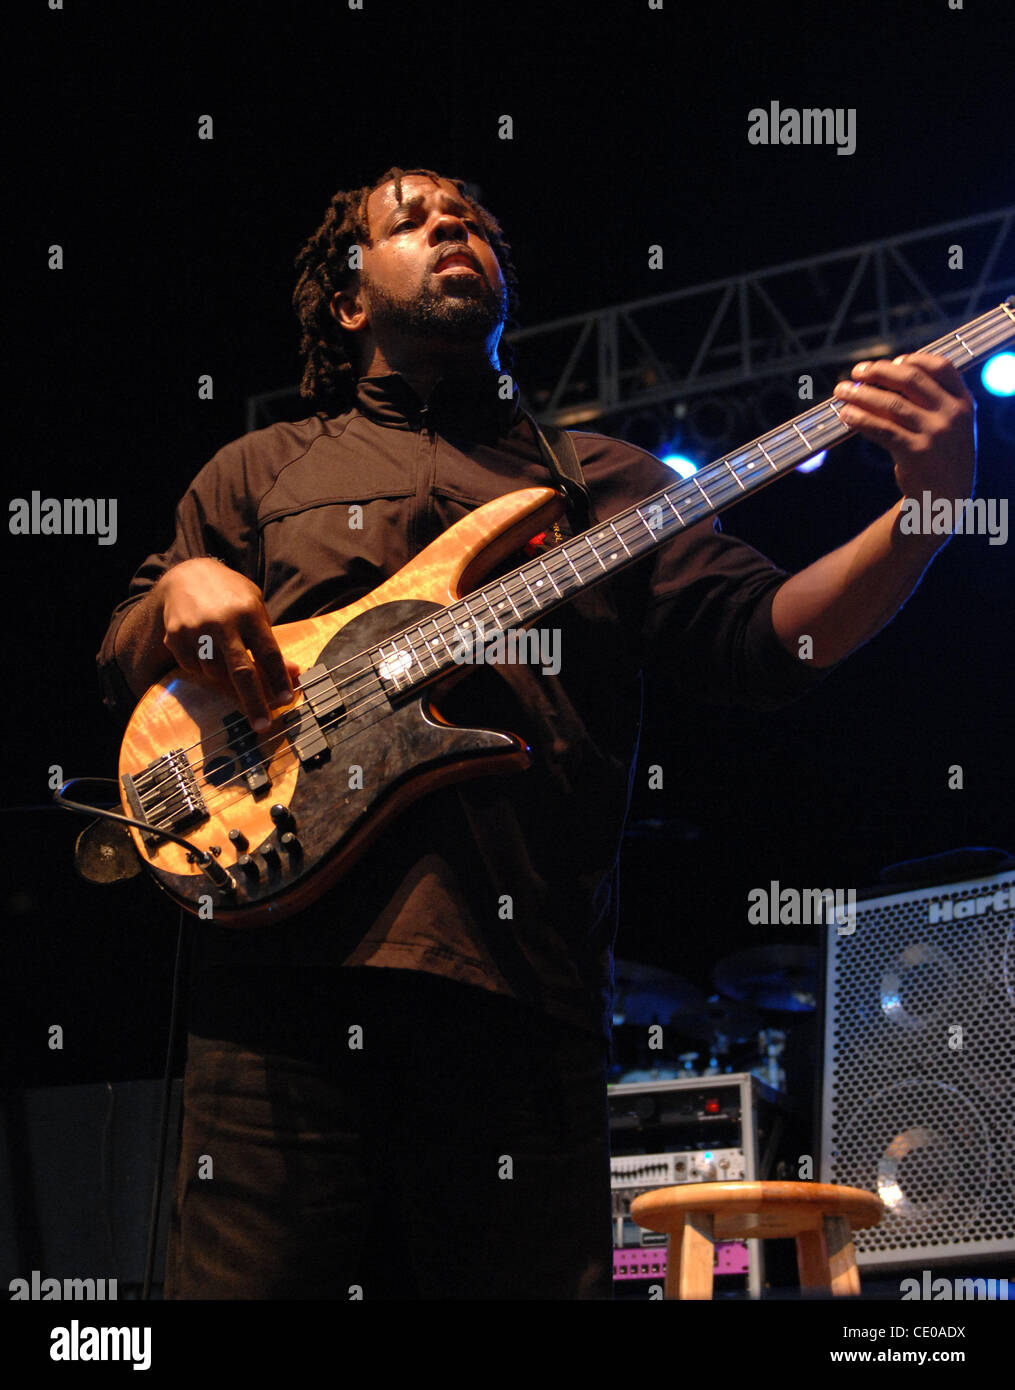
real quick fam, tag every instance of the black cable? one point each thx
(167, 1076)
(106, 1174)
(167, 1082)
(204, 860)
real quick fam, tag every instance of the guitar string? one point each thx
(631, 521)
(728, 488)
(380, 698)
(587, 566)
(728, 465)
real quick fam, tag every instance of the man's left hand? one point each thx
(917, 408)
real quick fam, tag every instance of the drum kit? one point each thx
(665, 1028)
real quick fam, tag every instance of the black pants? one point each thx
(460, 1152)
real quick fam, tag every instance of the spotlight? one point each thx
(998, 374)
(815, 461)
(680, 463)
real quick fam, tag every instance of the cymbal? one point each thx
(719, 1021)
(649, 994)
(771, 977)
(643, 1074)
(105, 853)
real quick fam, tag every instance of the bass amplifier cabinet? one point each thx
(918, 1076)
(698, 1129)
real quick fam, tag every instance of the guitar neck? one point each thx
(539, 586)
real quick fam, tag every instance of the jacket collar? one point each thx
(470, 405)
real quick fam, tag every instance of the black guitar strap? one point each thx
(561, 459)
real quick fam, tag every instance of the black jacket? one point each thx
(506, 883)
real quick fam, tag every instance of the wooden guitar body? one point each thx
(284, 812)
(305, 798)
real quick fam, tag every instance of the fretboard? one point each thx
(418, 654)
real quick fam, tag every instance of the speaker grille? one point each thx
(919, 1070)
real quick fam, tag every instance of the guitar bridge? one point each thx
(165, 795)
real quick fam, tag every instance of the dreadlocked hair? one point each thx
(329, 374)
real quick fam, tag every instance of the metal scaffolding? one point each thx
(807, 316)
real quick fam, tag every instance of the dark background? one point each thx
(629, 129)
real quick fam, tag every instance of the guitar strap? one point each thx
(561, 459)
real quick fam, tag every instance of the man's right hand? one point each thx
(217, 629)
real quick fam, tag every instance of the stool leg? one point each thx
(671, 1288)
(841, 1256)
(812, 1258)
(691, 1257)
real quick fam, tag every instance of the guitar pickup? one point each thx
(165, 795)
(243, 742)
(321, 710)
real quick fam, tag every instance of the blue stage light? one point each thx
(680, 463)
(998, 374)
(815, 461)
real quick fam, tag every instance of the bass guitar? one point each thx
(250, 827)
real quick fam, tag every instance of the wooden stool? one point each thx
(821, 1216)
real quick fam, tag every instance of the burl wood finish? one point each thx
(405, 749)
(821, 1217)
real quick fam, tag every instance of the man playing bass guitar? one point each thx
(401, 1087)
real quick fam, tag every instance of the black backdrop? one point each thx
(630, 128)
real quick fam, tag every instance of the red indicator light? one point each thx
(711, 1107)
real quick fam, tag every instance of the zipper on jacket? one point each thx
(426, 472)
